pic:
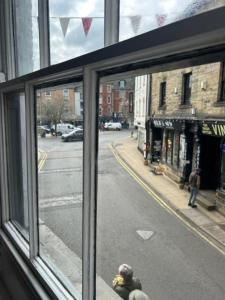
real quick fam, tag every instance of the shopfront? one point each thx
(212, 155)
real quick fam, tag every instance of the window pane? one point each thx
(136, 18)
(16, 160)
(60, 173)
(76, 28)
(26, 36)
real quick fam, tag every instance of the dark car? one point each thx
(75, 135)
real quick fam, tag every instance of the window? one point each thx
(16, 160)
(222, 91)
(66, 93)
(109, 99)
(47, 93)
(109, 88)
(26, 36)
(76, 28)
(131, 102)
(187, 84)
(122, 84)
(60, 171)
(162, 94)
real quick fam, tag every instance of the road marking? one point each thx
(146, 235)
(42, 161)
(162, 203)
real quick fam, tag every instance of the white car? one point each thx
(63, 128)
(113, 126)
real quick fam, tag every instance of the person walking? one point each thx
(194, 184)
(138, 295)
(124, 282)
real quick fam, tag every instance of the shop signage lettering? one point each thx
(167, 124)
(213, 129)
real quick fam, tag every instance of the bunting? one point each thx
(64, 22)
(135, 23)
(160, 20)
(86, 24)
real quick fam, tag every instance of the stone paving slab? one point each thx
(207, 221)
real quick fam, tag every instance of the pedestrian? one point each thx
(194, 184)
(125, 282)
(138, 295)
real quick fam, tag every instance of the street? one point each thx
(171, 261)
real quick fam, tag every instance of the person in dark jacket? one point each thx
(125, 282)
(194, 183)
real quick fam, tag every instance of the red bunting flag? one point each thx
(160, 19)
(86, 24)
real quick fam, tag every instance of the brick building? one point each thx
(187, 125)
(63, 105)
(116, 101)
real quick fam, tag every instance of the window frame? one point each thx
(170, 45)
(162, 93)
(186, 89)
(222, 84)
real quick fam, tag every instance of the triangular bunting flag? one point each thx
(135, 22)
(86, 24)
(64, 22)
(160, 19)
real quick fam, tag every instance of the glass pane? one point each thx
(26, 36)
(136, 18)
(76, 28)
(16, 160)
(133, 226)
(59, 117)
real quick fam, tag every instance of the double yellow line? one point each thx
(42, 160)
(163, 204)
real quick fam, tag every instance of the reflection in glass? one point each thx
(26, 36)
(59, 115)
(16, 160)
(76, 28)
(136, 19)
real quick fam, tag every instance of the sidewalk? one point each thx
(210, 223)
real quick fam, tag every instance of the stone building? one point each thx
(187, 125)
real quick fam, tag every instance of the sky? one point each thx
(76, 43)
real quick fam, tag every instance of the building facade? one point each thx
(188, 125)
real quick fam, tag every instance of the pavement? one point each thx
(209, 224)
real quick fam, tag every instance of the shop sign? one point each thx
(170, 124)
(215, 129)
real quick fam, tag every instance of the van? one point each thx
(63, 128)
(113, 126)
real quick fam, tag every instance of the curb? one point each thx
(166, 201)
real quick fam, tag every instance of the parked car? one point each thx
(113, 126)
(63, 128)
(75, 135)
(42, 130)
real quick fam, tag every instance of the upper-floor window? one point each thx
(122, 84)
(108, 88)
(66, 93)
(187, 83)
(162, 93)
(222, 91)
(48, 93)
(109, 99)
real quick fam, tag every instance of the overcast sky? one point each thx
(75, 43)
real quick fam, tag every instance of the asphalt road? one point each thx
(173, 264)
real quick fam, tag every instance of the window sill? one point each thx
(185, 106)
(219, 103)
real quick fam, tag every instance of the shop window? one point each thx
(222, 91)
(60, 183)
(169, 146)
(15, 131)
(187, 84)
(162, 94)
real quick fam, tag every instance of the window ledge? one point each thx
(219, 103)
(184, 106)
